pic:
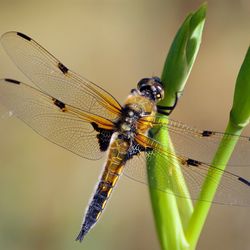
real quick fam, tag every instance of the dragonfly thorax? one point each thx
(127, 124)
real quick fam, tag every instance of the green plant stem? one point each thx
(239, 118)
(174, 237)
(172, 214)
(210, 185)
(168, 217)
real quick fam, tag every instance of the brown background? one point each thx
(45, 189)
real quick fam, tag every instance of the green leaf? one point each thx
(172, 214)
(239, 118)
(240, 112)
(182, 54)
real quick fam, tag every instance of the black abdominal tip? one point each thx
(80, 236)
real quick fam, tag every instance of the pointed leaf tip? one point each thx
(240, 112)
(182, 54)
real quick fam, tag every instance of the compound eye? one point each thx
(145, 87)
(142, 83)
(157, 79)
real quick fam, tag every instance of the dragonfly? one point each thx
(84, 118)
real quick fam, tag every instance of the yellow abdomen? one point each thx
(112, 170)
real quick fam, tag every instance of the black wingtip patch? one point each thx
(244, 181)
(24, 36)
(63, 68)
(59, 104)
(12, 81)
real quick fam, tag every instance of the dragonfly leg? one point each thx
(167, 110)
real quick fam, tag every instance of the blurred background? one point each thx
(44, 189)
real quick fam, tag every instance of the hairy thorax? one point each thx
(137, 112)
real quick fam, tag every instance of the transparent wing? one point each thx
(233, 189)
(60, 123)
(53, 77)
(202, 144)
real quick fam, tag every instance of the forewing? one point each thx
(54, 78)
(60, 123)
(202, 144)
(232, 189)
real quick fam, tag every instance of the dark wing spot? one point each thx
(104, 136)
(63, 68)
(23, 36)
(244, 181)
(59, 104)
(207, 133)
(136, 149)
(12, 81)
(95, 126)
(194, 163)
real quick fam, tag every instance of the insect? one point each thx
(80, 116)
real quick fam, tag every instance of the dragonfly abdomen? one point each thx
(113, 168)
(95, 208)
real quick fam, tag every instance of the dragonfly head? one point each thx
(151, 88)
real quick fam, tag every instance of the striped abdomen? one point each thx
(113, 168)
